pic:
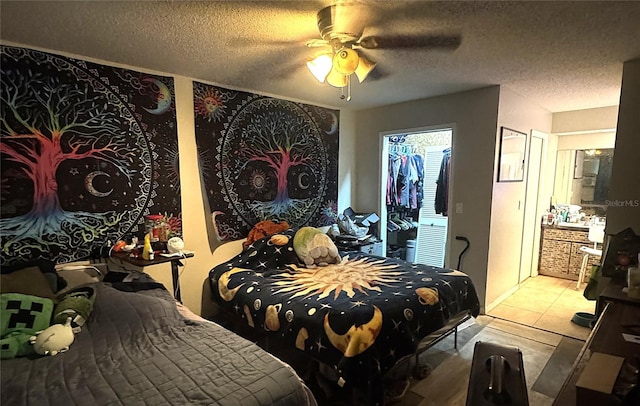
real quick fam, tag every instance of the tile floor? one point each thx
(547, 303)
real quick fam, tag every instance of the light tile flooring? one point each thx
(547, 303)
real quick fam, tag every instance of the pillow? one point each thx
(47, 267)
(28, 281)
(313, 247)
(76, 277)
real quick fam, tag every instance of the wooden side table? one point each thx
(175, 261)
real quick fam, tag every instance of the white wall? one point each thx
(507, 204)
(624, 192)
(474, 114)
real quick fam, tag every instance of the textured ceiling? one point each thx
(561, 55)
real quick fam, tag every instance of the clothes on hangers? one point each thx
(442, 189)
(405, 178)
(417, 191)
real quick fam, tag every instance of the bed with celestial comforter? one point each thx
(359, 317)
(137, 349)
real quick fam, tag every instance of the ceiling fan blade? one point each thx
(314, 43)
(410, 41)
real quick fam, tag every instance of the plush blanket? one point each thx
(136, 349)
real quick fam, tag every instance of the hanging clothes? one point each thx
(417, 191)
(394, 183)
(442, 189)
(405, 178)
(409, 177)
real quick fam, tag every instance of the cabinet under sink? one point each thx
(560, 254)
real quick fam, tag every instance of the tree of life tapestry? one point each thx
(264, 158)
(87, 151)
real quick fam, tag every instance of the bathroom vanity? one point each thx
(560, 254)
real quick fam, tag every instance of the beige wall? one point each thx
(602, 118)
(624, 193)
(595, 140)
(474, 115)
(347, 156)
(507, 204)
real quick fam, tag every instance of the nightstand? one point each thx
(124, 259)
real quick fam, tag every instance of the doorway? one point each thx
(530, 243)
(415, 184)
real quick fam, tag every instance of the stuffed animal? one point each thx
(54, 339)
(20, 317)
(263, 229)
(314, 247)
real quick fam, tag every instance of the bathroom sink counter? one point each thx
(579, 226)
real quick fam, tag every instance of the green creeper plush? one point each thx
(314, 247)
(22, 316)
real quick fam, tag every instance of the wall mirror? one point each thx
(512, 149)
(582, 177)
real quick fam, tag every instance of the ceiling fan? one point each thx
(341, 27)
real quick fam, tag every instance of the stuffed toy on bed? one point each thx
(263, 229)
(314, 247)
(21, 316)
(54, 339)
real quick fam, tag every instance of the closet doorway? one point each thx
(414, 194)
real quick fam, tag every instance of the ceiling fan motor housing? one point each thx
(340, 22)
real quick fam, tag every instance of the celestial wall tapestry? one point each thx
(87, 151)
(264, 158)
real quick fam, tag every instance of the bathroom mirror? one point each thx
(582, 177)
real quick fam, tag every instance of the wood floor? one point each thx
(547, 356)
(536, 319)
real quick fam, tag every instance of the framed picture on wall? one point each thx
(512, 153)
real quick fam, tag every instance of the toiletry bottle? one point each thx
(147, 251)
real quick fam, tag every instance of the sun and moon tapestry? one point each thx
(87, 151)
(264, 158)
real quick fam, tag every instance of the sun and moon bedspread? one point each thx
(359, 316)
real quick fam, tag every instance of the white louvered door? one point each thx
(432, 229)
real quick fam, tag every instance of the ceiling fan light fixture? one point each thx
(346, 61)
(337, 79)
(364, 68)
(320, 66)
